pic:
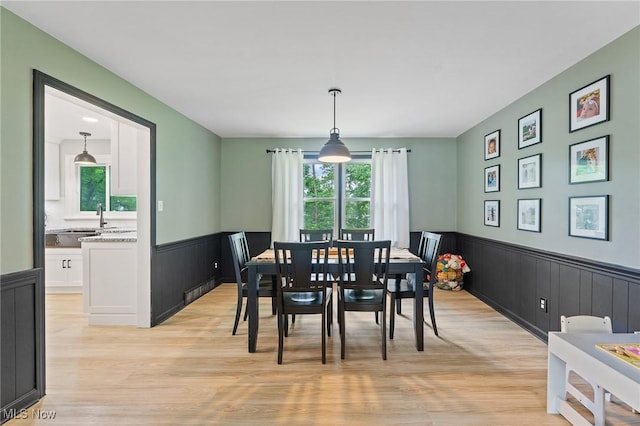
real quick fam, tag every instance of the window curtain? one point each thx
(390, 196)
(287, 199)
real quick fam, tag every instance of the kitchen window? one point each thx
(94, 185)
(86, 186)
(337, 194)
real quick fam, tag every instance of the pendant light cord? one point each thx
(334, 92)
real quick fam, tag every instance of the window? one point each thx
(94, 185)
(337, 194)
(88, 185)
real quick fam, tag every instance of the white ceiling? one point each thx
(264, 68)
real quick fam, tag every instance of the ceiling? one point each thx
(264, 68)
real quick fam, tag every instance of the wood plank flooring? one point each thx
(190, 370)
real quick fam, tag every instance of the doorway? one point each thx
(145, 216)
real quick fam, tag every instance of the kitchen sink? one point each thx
(67, 238)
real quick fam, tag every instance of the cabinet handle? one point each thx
(69, 263)
(63, 264)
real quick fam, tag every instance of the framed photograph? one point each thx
(588, 217)
(529, 214)
(530, 129)
(530, 172)
(492, 145)
(492, 178)
(589, 161)
(492, 212)
(589, 105)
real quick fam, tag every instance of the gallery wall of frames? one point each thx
(587, 162)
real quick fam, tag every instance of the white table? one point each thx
(580, 352)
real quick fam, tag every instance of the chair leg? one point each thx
(342, 332)
(433, 315)
(238, 310)
(384, 336)
(281, 325)
(329, 313)
(324, 337)
(398, 306)
(286, 325)
(392, 316)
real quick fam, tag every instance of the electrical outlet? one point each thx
(543, 304)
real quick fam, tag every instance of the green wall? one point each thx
(188, 156)
(246, 179)
(620, 59)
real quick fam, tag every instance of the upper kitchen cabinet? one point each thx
(124, 157)
(52, 171)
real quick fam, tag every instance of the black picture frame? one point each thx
(530, 129)
(589, 105)
(492, 145)
(530, 172)
(589, 161)
(492, 178)
(529, 214)
(492, 213)
(589, 217)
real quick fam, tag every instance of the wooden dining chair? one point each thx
(302, 286)
(266, 284)
(404, 288)
(357, 234)
(362, 269)
(307, 235)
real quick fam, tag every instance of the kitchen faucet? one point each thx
(99, 212)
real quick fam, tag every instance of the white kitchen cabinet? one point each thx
(124, 157)
(63, 270)
(110, 282)
(51, 171)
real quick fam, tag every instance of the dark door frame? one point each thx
(40, 80)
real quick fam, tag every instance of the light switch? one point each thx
(160, 205)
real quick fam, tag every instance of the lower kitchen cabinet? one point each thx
(63, 270)
(110, 269)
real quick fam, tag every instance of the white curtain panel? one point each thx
(287, 198)
(390, 196)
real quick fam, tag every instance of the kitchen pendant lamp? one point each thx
(84, 157)
(334, 151)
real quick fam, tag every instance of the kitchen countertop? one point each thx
(112, 237)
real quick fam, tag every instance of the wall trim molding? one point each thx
(23, 338)
(512, 279)
(600, 267)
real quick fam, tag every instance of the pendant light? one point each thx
(84, 157)
(334, 151)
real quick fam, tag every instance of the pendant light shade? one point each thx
(334, 151)
(84, 157)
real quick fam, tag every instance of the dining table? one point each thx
(401, 261)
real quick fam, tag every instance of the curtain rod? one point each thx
(270, 151)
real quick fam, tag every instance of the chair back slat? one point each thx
(585, 324)
(428, 250)
(240, 254)
(307, 235)
(357, 234)
(301, 266)
(363, 264)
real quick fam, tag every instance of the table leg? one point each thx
(418, 312)
(252, 307)
(555, 382)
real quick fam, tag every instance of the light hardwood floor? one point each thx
(190, 370)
